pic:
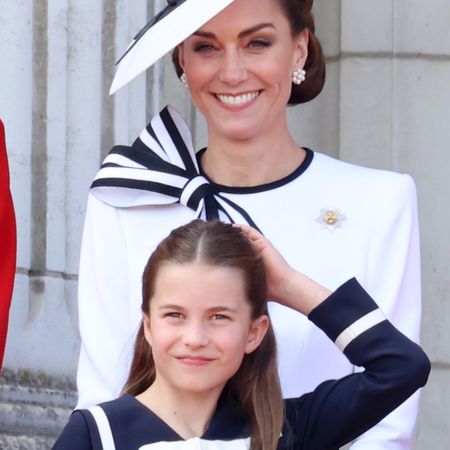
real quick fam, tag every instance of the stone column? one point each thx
(394, 105)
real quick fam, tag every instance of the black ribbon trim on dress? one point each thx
(138, 185)
(240, 210)
(178, 141)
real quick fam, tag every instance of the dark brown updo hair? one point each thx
(300, 17)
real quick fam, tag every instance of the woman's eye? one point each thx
(259, 43)
(204, 48)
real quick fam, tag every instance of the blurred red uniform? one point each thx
(7, 243)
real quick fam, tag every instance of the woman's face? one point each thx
(200, 326)
(239, 68)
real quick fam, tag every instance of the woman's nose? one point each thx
(195, 335)
(233, 70)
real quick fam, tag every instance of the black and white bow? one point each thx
(161, 168)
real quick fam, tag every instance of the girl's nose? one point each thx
(195, 335)
(233, 70)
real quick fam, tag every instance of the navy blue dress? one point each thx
(335, 413)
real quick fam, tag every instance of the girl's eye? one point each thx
(220, 317)
(259, 43)
(173, 315)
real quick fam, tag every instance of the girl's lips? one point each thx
(238, 100)
(194, 360)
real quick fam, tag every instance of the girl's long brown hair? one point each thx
(255, 388)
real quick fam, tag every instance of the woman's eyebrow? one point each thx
(254, 29)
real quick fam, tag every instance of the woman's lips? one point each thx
(238, 100)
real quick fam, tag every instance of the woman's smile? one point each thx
(243, 99)
(241, 62)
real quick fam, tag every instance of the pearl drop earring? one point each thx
(183, 79)
(298, 76)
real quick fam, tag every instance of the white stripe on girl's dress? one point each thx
(359, 327)
(104, 428)
(199, 444)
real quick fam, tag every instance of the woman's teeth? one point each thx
(237, 99)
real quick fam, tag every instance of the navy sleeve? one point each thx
(75, 435)
(338, 411)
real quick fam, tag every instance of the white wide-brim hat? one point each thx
(175, 23)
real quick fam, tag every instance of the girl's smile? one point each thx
(194, 360)
(200, 326)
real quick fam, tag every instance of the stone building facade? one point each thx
(386, 104)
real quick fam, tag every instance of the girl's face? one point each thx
(200, 326)
(239, 68)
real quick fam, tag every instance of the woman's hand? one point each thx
(284, 284)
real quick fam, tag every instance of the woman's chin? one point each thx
(239, 132)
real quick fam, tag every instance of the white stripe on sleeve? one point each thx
(359, 327)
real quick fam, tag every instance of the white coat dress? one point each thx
(331, 220)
